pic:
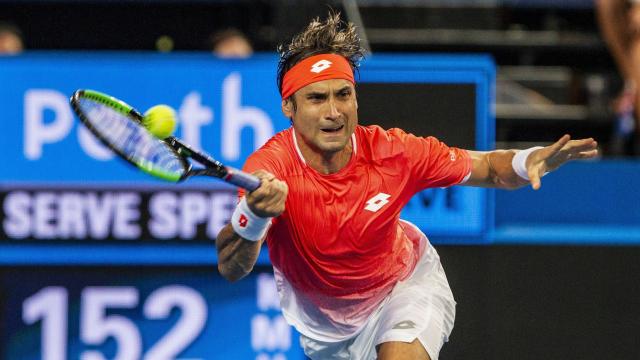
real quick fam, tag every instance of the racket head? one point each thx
(119, 127)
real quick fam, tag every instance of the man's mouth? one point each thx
(332, 129)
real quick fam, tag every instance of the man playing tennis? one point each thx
(355, 280)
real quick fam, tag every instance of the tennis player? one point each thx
(353, 278)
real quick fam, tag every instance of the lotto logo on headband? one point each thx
(313, 69)
(321, 65)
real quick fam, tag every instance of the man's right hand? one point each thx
(269, 199)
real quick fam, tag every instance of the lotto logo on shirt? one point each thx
(377, 202)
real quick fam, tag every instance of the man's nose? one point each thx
(333, 114)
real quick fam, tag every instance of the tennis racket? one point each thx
(119, 126)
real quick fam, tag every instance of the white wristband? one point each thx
(247, 224)
(519, 162)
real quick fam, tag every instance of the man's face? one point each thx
(325, 115)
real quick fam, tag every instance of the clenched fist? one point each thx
(268, 200)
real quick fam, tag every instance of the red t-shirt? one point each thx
(339, 236)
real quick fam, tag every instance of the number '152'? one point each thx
(50, 306)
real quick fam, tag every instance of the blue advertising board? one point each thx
(62, 191)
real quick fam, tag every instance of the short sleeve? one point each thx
(434, 164)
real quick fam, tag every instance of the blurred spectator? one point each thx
(619, 22)
(10, 39)
(230, 43)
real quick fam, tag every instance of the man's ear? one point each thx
(287, 108)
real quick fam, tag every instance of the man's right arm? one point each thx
(239, 242)
(236, 256)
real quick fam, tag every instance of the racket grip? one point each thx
(242, 179)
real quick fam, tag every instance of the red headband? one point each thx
(313, 69)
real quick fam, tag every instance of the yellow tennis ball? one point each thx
(160, 120)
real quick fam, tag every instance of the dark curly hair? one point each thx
(332, 36)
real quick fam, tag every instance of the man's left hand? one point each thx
(553, 156)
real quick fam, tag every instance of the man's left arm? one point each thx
(511, 169)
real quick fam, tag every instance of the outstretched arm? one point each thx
(499, 169)
(239, 242)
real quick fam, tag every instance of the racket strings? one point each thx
(131, 139)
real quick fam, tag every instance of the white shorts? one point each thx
(420, 307)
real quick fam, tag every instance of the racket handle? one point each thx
(242, 179)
